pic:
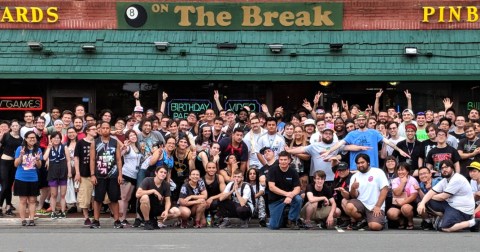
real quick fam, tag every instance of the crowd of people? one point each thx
(315, 168)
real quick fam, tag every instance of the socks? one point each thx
(471, 223)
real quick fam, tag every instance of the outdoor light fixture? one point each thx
(411, 51)
(183, 52)
(275, 48)
(336, 47)
(394, 83)
(89, 48)
(325, 83)
(161, 46)
(36, 46)
(226, 46)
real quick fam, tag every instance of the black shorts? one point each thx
(129, 180)
(156, 209)
(108, 186)
(25, 189)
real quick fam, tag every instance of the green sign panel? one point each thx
(230, 16)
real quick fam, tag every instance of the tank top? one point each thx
(212, 188)
(57, 154)
(180, 169)
(106, 164)
(132, 163)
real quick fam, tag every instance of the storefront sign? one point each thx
(450, 14)
(473, 105)
(21, 103)
(236, 105)
(20, 14)
(180, 108)
(230, 16)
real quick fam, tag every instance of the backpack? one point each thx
(252, 192)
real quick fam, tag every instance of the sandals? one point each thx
(410, 227)
(197, 224)
(184, 224)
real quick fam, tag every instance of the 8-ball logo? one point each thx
(136, 15)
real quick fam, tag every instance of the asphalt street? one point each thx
(56, 238)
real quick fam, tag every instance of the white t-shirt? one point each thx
(275, 142)
(251, 140)
(245, 194)
(394, 141)
(370, 185)
(461, 191)
(475, 188)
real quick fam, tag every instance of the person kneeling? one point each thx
(321, 206)
(236, 201)
(154, 197)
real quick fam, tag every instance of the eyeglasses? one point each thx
(392, 128)
(445, 166)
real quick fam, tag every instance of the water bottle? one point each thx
(209, 220)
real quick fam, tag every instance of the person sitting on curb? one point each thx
(154, 197)
(451, 200)
(236, 201)
(321, 206)
(474, 173)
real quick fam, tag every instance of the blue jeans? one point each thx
(276, 211)
(451, 216)
(140, 177)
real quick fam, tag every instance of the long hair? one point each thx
(385, 165)
(199, 140)
(304, 137)
(35, 146)
(257, 178)
(69, 141)
(128, 134)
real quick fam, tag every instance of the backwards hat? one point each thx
(138, 109)
(309, 122)
(262, 151)
(340, 166)
(361, 115)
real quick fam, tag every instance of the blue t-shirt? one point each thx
(27, 170)
(369, 138)
(168, 161)
(434, 182)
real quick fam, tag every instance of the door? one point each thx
(68, 99)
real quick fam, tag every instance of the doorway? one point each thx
(68, 99)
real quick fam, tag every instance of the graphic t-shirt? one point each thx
(106, 163)
(27, 170)
(369, 138)
(82, 151)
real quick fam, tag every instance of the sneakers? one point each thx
(125, 223)
(54, 215)
(117, 224)
(438, 223)
(24, 223)
(10, 213)
(244, 224)
(87, 222)
(31, 223)
(41, 212)
(225, 224)
(426, 225)
(262, 223)
(293, 225)
(345, 224)
(62, 215)
(148, 226)
(309, 225)
(95, 224)
(360, 225)
(138, 223)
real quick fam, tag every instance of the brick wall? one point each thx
(358, 14)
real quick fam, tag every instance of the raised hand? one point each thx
(407, 95)
(447, 103)
(136, 95)
(306, 105)
(264, 108)
(355, 184)
(335, 107)
(216, 96)
(316, 99)
(379, 94)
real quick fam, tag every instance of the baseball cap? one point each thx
(138, 109)
(327, 129)
(361, 115)
(262, 151)
(309, 122)
(474, 165)
(408, 111)
(229, 111)
(320, 111)
(340, 167)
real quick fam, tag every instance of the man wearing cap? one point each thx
(411, 146)
(273, 140)
(314, 150)
(138, 115)
(442, 152)
(341, 192)
(230, 122)
(468, 149)
(474, 172)
(366, 139)
(453, 197)
(309, 126)
(407, 116)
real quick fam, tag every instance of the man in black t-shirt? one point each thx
(82, 170)
(284, 189)
(411, 146)
(442, 152)
(154, 196)
(468, 149)
(234, 145)
(321, 205)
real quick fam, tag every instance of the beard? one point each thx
(324, 140)
(447, 176)
(278, 116)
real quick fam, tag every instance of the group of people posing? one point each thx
(311, 169)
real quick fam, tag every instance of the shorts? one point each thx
(42, 176)
(107, 186)
(57, 182)
(129, 180)
(84, 196)
(320, 214)
(367, 213)
(156, 209)
(25, 189)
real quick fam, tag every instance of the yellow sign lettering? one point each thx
(37, 15)
(427, 12)
(184, 14)
(7, 15)
(303, 19)
(52, 14)
(472, 15)
(22, 15)
(224, 18)
(455, 13)
(321, 18)
(251, 16)
(201, 15)
(286, 18)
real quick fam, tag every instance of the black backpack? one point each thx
(252, 192)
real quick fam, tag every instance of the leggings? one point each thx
(7, 175)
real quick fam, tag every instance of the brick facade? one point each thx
(358, 15)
